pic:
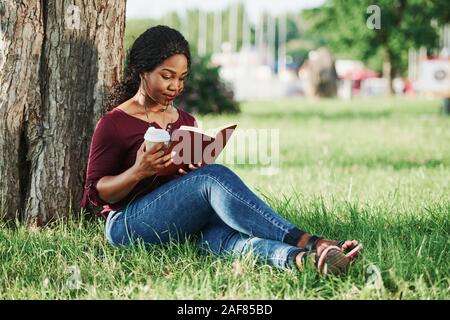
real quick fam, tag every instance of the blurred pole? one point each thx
(259, 38)
(218, 31)
(447, 36)
(445, 41)
(422, 53)
(246, 31)
(444, 36)
(202, 32)
(412, 64)
(271, 41)
(233, 26)
(264, 38)
(445, 52)
(185, 25)
(282, 44)
(171, 22)
(446, 105)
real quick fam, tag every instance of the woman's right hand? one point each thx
(149, 162)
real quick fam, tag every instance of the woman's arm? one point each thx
(112, 189)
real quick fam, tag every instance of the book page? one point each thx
(198, 130)
(208, 132)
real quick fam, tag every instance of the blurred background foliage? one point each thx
(205, 91)
(339, 25)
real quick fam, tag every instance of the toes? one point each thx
(349, 244)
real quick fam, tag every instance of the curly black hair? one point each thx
(148, 51)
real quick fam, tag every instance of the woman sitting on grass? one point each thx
(210, 201)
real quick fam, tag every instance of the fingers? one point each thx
(346, 245)
(154, 158)
(169, 159)
(193, 167)
(161, 158)
(162, 163)
(158, 160)
(158, 156)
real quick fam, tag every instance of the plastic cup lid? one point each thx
(156, 135)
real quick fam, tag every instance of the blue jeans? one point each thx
(213, 204)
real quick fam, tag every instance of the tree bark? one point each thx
(58, 60)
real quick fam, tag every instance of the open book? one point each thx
(193, 145)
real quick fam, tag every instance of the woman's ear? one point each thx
(143, 77)
(143, 74)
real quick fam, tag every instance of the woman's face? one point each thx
(166, 82)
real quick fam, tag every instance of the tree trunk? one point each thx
(58, 60)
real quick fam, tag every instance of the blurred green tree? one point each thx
(346, 27)
(205, 91)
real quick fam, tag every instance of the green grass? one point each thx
(376, 170)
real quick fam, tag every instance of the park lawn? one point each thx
(377, 170)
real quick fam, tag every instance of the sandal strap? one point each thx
(341, 243)
(312, 243)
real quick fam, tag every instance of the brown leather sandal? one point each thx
(332, 260)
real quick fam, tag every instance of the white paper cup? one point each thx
(154, 136)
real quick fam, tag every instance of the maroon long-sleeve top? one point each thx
(116, 140)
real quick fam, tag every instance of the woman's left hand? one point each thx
(191, 167)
